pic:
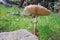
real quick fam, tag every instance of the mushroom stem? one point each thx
(35, 25)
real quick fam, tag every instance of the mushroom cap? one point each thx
(38, 10)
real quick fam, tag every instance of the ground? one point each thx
(10, 20)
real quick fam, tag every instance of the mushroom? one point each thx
(36, 10)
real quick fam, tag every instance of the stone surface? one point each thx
(18, 35)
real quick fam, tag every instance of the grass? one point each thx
(48, 26)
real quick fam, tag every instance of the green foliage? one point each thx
(48, 26)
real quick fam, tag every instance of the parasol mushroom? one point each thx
(36, 10)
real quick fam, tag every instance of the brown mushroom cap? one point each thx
(38, 10)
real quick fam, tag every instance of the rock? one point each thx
(21, 34)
